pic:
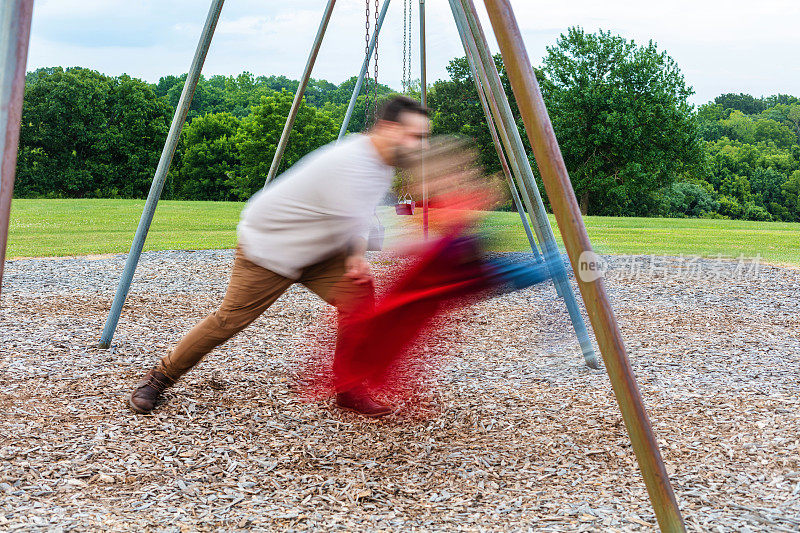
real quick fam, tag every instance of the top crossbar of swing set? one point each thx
(15, 18)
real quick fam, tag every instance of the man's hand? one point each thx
(357, 269)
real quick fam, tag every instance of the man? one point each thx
(309, 227)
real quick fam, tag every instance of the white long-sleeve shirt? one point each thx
(316, 208)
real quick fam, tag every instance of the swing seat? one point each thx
(405, 209)
(405, 206)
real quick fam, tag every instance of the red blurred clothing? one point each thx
(370, 350)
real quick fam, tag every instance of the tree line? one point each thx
(632, 142)
(88, 135)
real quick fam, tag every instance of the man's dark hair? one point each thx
(392, 108)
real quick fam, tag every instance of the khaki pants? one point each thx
(251, 290)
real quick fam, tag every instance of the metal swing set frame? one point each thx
(15, 19)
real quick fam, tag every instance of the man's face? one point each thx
(407, 136)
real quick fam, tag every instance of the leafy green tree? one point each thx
(791, 191)
(793, 118)
(728, 157)
(709, 117)
(135, 130)
(752, 130)
(279, 83)
(685, 199)
(768, 130)
(165, 83)
(623, 120)
(42, 72)
(85, 134)
(342, 93)
(766, 187)
(747, 104)
(209, 159)
(730, 207)
(207, 97)
(318, 91)
(61, 124)
(755, 212)
(240, 93)
(260, 132)
(778, 99)
(737, 187)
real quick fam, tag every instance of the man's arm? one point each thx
(356, 266)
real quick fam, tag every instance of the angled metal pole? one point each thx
(523, 174)
(360, 80)
(301, 89)
(472, 52)
(161, 173)
(568, 214)
(474, 34)
(423, 92)
(15, 31)
(500, 152)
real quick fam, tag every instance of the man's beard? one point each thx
(403, 157)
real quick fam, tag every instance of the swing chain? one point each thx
(405, 43)
(375, 74)
(366, 52)
(410, 33)
(407, 11)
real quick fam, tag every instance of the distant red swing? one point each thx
(405, 205)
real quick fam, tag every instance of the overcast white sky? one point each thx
(720, 45)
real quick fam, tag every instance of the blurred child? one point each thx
(447, 269)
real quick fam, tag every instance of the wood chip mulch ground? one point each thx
(517, 434)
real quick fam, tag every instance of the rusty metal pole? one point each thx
(161, 173)
(568, 214)
(15, 31)
(301, 89)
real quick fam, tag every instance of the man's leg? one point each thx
(353, 302)
(251, 290)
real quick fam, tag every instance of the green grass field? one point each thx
(82, 227)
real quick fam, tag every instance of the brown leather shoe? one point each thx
(361, 402)
(144, 397)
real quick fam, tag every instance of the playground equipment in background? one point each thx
(405, 205)
(15, 25)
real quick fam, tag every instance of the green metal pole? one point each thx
(491, 78)
(301, 89)
(361, 75)
(161, 173)
(568, 214)
(471, 50)
(500, 152)
(423, 93)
